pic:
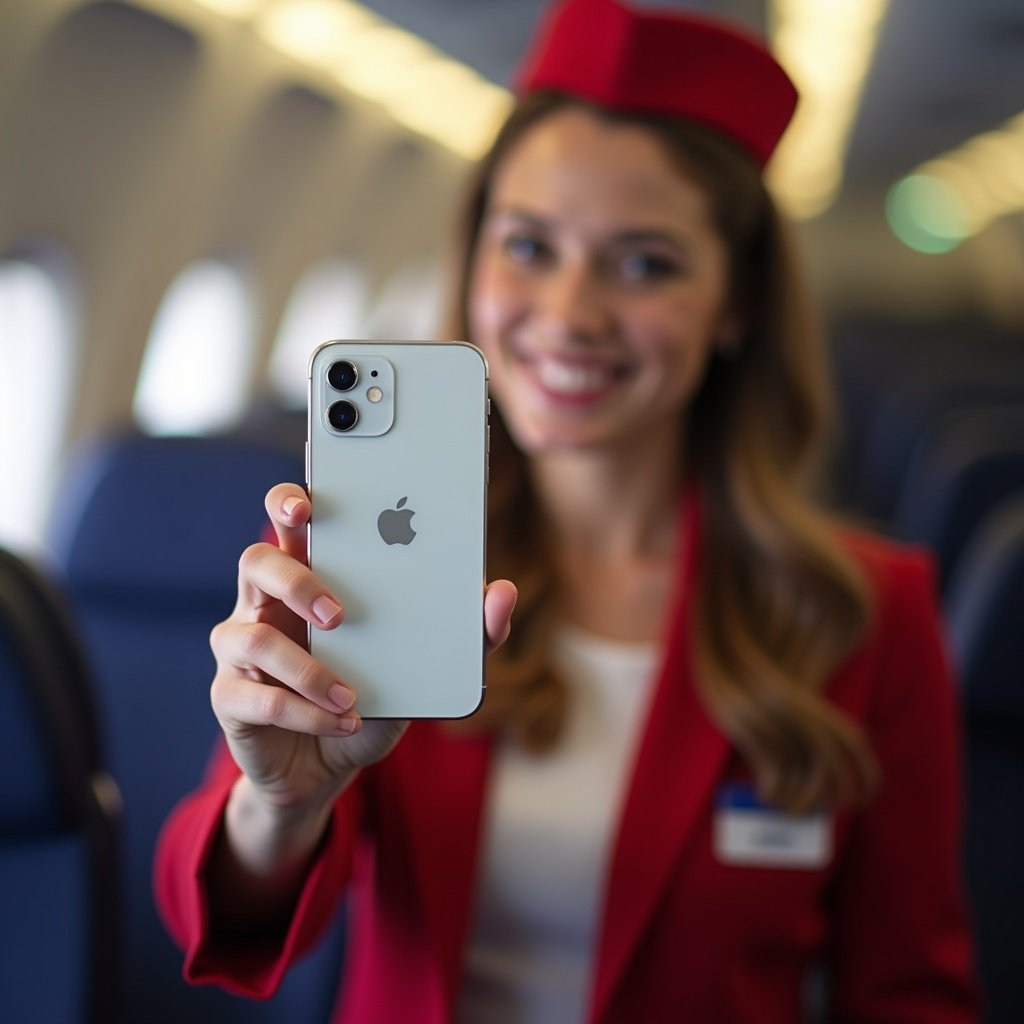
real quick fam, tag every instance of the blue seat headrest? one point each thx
(166, 517)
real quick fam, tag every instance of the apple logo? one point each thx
(394, 524)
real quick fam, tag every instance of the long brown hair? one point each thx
(780, 602)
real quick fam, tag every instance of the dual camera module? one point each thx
(356, 392)
(343, 376)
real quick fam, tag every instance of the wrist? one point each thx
(268, 837)
(260, 860)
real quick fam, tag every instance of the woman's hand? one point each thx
(292, 725)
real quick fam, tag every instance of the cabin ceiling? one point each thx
(944, 70)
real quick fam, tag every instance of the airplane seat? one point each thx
(856, 352)
(271, 422)
(985, 611)
(906, 412)
(965, 462)
(58, 815)
(892, 387)
(148, 533)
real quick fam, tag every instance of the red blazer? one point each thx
(684, 937)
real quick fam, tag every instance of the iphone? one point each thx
(396, 468)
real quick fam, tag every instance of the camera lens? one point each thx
(342, 415)
(342, 376)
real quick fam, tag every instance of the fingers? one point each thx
(311, 699)
(499, 601)
(289, 510)
(266, 573)
(238, 701)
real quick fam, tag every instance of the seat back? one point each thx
(964, 464)
(58, 815)
(149, 532)
(893, 384)
(985, 609)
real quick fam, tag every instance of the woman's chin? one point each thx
(554, 438)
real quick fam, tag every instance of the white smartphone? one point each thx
(396, 467)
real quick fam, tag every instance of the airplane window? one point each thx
(197, 370)
(330, 301)
(35, 369)
(409, 305)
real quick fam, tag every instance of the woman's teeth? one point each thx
(569, 379)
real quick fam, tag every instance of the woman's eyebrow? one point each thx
(520, 215)
(629, 236)
(647, 236)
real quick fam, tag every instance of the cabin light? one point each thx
(417, 85)
(967, 188)
(465, 120)
(441, 99)
(826, 48)
(318, 32)
(387, 64)
(418, 77)
(926, 214)
(239, 9)
(424, 90)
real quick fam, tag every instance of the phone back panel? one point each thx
(398, 524)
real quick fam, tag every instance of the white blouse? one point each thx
(548, 838)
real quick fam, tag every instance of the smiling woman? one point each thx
(671, 355)
(600, 287)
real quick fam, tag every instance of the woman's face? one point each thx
(599, 285)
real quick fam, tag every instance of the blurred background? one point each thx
(195, 193)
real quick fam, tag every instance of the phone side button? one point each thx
(307, 464)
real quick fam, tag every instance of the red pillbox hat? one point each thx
(663, 62)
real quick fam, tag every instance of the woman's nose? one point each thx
(572, 304)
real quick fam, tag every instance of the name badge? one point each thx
(750, 833)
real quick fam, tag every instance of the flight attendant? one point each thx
(719, 747)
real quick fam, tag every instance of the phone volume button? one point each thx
(307, 463)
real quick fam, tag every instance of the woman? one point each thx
(718, 748)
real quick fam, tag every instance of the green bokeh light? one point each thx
(926, 214)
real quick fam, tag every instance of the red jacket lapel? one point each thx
(445, 787)
(444, 795)
(682, 756)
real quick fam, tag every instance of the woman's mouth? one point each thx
(572, 380)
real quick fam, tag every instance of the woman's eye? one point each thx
(641, 267)
(525, 249)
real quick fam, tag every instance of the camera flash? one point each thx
(375, 394)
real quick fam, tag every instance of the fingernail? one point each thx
(290, 505)
(341, 697)
(348, 725)
(325, 609)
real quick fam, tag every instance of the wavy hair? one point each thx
(780, 602)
